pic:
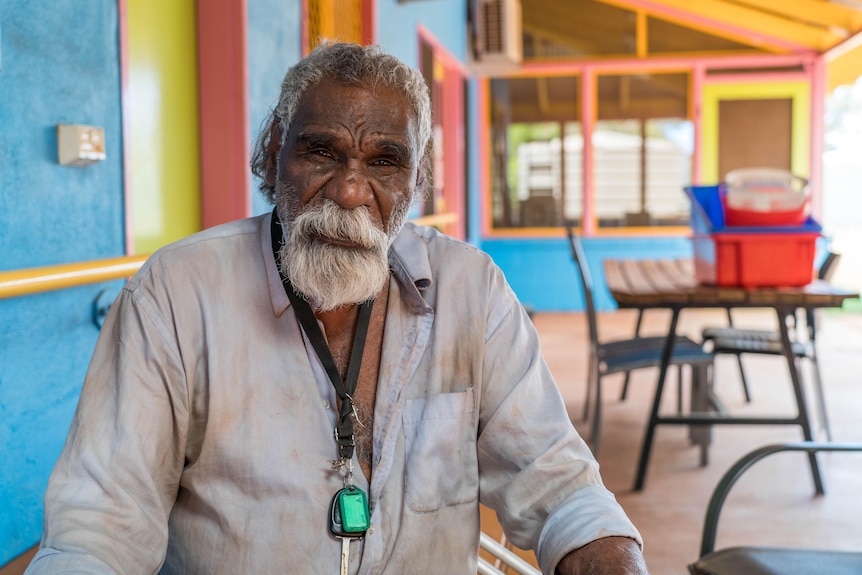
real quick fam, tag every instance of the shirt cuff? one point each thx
(49, 561)
(590, 513)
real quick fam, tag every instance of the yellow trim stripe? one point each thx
(801, 129)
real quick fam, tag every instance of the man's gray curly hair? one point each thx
(349, 64)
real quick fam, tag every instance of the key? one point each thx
(348, 519)
(345, 554)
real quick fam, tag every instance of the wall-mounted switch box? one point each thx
(80, 145)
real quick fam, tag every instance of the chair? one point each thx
(623, 356)
(505, 558)
(758, 560)
(736, 341)
(639, 322)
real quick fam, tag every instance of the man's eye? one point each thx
(321, 152)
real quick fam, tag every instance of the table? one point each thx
(671, 284)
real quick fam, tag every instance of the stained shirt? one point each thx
(203, 436)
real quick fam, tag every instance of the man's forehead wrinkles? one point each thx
(324, 135)
(314, 136)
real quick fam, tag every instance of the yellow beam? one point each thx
(35, 280)
(641, 31)
(730, 20)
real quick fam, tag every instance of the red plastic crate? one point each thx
(755, 259)
(749, 256)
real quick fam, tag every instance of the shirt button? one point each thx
(370, 529)
(325, 405)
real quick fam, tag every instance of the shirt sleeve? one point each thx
(111, 491)
(536, 472)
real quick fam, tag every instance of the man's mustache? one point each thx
(329, 220)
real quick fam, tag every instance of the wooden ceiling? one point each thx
(591, 28)
(605, 30)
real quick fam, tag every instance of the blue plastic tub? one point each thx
(748, 256)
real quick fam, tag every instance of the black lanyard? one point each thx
(344, 389)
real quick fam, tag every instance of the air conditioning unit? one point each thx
(496, 37)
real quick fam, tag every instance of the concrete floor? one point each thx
(774, 504)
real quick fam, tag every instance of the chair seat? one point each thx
(763, 345)
(733, 333)
(637, 353)
(777, 561)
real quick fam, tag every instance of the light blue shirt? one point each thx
(204, 433)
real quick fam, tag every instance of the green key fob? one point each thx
(348, 513)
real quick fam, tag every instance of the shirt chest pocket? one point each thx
(441, 467)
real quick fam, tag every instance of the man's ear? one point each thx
(272, 150)
(420, 178)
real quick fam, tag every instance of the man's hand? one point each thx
(606, 556)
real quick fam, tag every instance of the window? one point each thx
(640, 170)
(642, 148)
(536, 158)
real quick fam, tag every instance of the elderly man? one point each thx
(328, 387)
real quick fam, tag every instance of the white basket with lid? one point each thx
(766, 190)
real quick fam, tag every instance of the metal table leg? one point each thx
(796, 380)
(653, 418)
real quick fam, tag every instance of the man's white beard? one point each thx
(331, 276)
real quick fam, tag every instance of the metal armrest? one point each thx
(730, 477)
(512, 561)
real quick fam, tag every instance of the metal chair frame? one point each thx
(505, 558)
(768, 560)
(639, 322)
(623, 356)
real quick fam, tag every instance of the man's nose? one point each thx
(351, 186)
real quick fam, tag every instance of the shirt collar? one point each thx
(409, 262)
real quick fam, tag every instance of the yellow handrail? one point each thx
(439, 221)
(35, 280)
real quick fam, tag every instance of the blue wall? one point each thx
(444, 19)
(274, 45)
(60, 64)
(543, 275)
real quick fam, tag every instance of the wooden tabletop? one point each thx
(671, 283)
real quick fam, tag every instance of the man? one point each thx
(203, 441)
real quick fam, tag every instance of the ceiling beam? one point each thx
(818, 12)
(641, 34)
(737, 23)
(847, 45)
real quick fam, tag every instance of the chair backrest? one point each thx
(827, 268)
(825, 272)
(583, 268)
